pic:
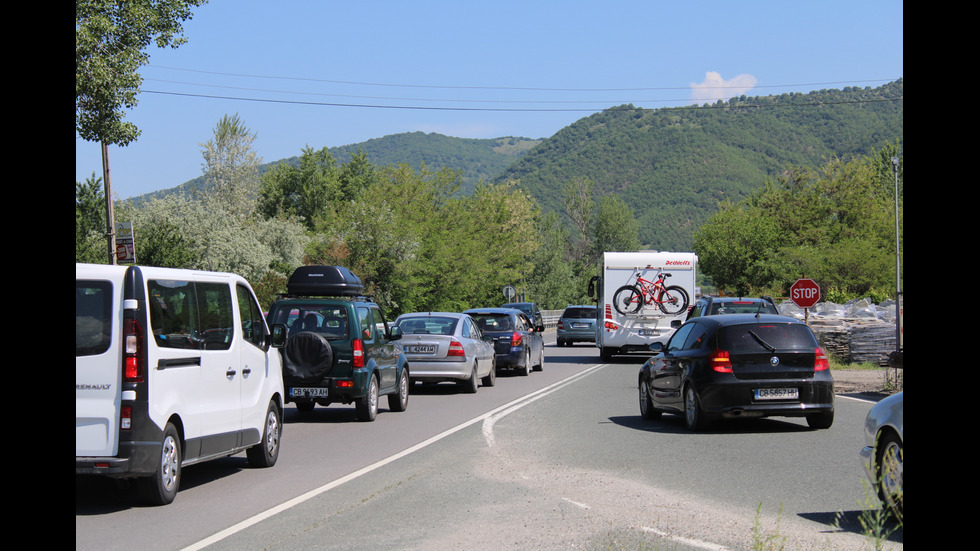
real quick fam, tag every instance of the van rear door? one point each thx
(98, 358)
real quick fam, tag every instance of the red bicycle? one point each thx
(630, 299)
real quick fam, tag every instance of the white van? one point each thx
(172, 367)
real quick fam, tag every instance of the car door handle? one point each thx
(246, 371)
(230, 373)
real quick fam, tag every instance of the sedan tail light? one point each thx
(820, 362)
(456, 349)
(516, 339)
(720, 361)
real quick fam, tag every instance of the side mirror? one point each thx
(278, 335)
(591, 289)
(657, 347)
(394, 333)
(539, 329)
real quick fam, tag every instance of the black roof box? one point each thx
(324, 281)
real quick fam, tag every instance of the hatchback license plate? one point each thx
(777, 393)
(420, 349)
(309, 392)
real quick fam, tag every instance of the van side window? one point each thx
(93, 318)
(191, 316)
(252, 328)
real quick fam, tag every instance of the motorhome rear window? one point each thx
(191, 315)
(93, 317)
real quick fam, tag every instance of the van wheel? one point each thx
(266, 452)
(367, 406)
(161, 487)
(399, 400)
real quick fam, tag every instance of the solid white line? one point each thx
(686, 541)
(505, 409)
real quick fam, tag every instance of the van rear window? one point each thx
(93, 317)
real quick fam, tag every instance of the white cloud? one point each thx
(715, 88)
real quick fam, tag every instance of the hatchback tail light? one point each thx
(456, 349)
(516, 339)
(820, 362)
(358, 349)
(720, 361)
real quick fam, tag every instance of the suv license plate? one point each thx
(305, 392)
(420, 349)
(777, 393)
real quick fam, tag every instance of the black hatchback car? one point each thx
(739, 365)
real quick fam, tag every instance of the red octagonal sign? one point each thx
(804, 293)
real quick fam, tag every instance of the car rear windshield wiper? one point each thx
(761, 341)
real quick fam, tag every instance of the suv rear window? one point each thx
(328, 320)
(93, 321)
(744, 339)
(579, 313)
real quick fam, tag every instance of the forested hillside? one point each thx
(673, 166)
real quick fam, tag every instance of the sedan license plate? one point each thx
(777, 394)
(309, 392)
(419, 349)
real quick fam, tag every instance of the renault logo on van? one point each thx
(93, 387)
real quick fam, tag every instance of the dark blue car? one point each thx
(516, 340)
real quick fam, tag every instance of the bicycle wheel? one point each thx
(628, 299)
(673, 300)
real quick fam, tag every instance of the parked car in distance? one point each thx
(443, 346)
(518, 343)
(336, 344)
(529, 308)
(882, 455)
(577, 324)
(738, 365)
(713, 306)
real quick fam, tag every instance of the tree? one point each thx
(615, 228)
(89, 220)
(111, 37)
(305, 192)
(110, 41)
(231, 167)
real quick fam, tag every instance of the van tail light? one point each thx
(358, 353)
(126, 417)
(720, 361)
(456, 349)
(820, 362)
(516, 339)
(133, 353)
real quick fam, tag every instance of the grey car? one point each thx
(882, 456)
(444, 346)
(577, 324)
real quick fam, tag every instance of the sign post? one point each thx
(805, 293)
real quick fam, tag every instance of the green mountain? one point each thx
(476, 159)
(674, 165)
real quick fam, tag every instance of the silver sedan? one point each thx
(884, 434)
(444, 346)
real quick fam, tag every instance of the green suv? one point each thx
(336, 344)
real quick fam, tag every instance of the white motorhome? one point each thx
(172, 367)
(620, 333)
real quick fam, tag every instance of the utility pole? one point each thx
(110, 217)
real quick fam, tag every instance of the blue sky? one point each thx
(324, 73)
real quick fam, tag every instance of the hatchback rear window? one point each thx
(742, 307)
(579, 313)
(766, 337)
(93, 321)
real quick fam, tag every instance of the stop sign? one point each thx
(804, 293)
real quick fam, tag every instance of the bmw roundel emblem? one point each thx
(774, 360)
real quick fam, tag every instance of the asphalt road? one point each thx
(559, 459)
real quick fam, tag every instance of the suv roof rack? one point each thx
(322, 281)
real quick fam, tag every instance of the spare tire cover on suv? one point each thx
(307, 357)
